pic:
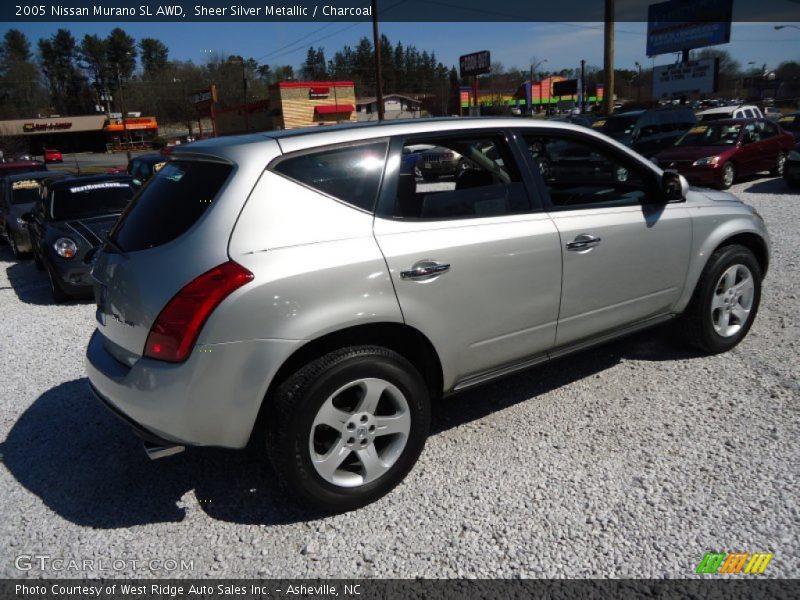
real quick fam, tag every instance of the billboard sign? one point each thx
(567, 87)
(679, 25)
(476, 63)
(685, 79)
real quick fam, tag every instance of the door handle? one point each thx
(424, 269)
(583, 242)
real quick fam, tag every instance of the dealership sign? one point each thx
(319, 92)
(682, 25)
(49, 126)
(685, 79)
(476, 63)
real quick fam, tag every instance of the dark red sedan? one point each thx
(717, 152)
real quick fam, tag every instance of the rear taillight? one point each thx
(179, 323)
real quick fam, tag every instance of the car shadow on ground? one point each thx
(88, 467)
(30, 284)
(776, 185)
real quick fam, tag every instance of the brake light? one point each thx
(177, 326)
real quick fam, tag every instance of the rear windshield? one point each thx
(24, 191)
(81, 200)
(620, 125)
(171, 202)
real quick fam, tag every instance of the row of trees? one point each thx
(63, 75)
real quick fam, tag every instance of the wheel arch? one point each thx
(750, 238)
(404, 339)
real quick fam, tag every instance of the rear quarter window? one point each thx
(172, 201)
(351, 174)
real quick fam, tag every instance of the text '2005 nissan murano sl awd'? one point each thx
(307, 288)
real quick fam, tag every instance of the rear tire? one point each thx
(725, 302)
(727, 176)
(370, 387)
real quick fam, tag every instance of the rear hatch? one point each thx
(176, 228)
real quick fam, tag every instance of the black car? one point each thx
(791, 123)
(144, 166)
(72, 217)
(648, 131)
(18, 194)
(791, 168)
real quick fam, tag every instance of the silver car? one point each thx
(301, 289)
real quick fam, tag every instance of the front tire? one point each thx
(346, 428)
(727, 176)
(725, 301)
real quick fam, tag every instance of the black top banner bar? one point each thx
(120, 11)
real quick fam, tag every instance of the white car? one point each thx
(744, 111)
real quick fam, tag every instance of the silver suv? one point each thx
(304, 290)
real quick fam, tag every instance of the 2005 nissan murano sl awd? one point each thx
(302, 289)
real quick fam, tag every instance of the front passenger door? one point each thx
(625, 254)
(475, 266)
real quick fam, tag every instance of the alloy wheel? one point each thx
(727, 175)
(732, 301)
(359, 432)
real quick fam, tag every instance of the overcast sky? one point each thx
(513, 44)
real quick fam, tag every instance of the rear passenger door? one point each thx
(625, 253)
(475, 262)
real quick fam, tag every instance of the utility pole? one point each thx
(583, 86)
(608, 58)
(378, 74)
(124, 121)
(244, 98)
(639, 83)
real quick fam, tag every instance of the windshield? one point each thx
(711, 135)
(25, 191)
(620, 125)
(90, 199)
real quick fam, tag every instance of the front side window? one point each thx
(582, 175)
(474, 175)
(767, 129)
(351, 174)
(25, 191)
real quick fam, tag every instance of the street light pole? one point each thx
(534, 67)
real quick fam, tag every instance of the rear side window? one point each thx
(351, 174)
(173, 201)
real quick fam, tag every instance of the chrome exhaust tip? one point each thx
(156, 451)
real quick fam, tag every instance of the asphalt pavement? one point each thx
(633, 459)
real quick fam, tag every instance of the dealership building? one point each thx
(86, 133)
(291, 104)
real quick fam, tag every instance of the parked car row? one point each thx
(61, 220)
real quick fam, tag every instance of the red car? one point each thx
(717, 152)
(52, 156)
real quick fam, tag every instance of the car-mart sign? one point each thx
(48, 126)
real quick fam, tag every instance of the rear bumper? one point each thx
(212, 399)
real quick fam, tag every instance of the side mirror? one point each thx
(674, 186)
(27, 217)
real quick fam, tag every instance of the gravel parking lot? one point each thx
(630, 460)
